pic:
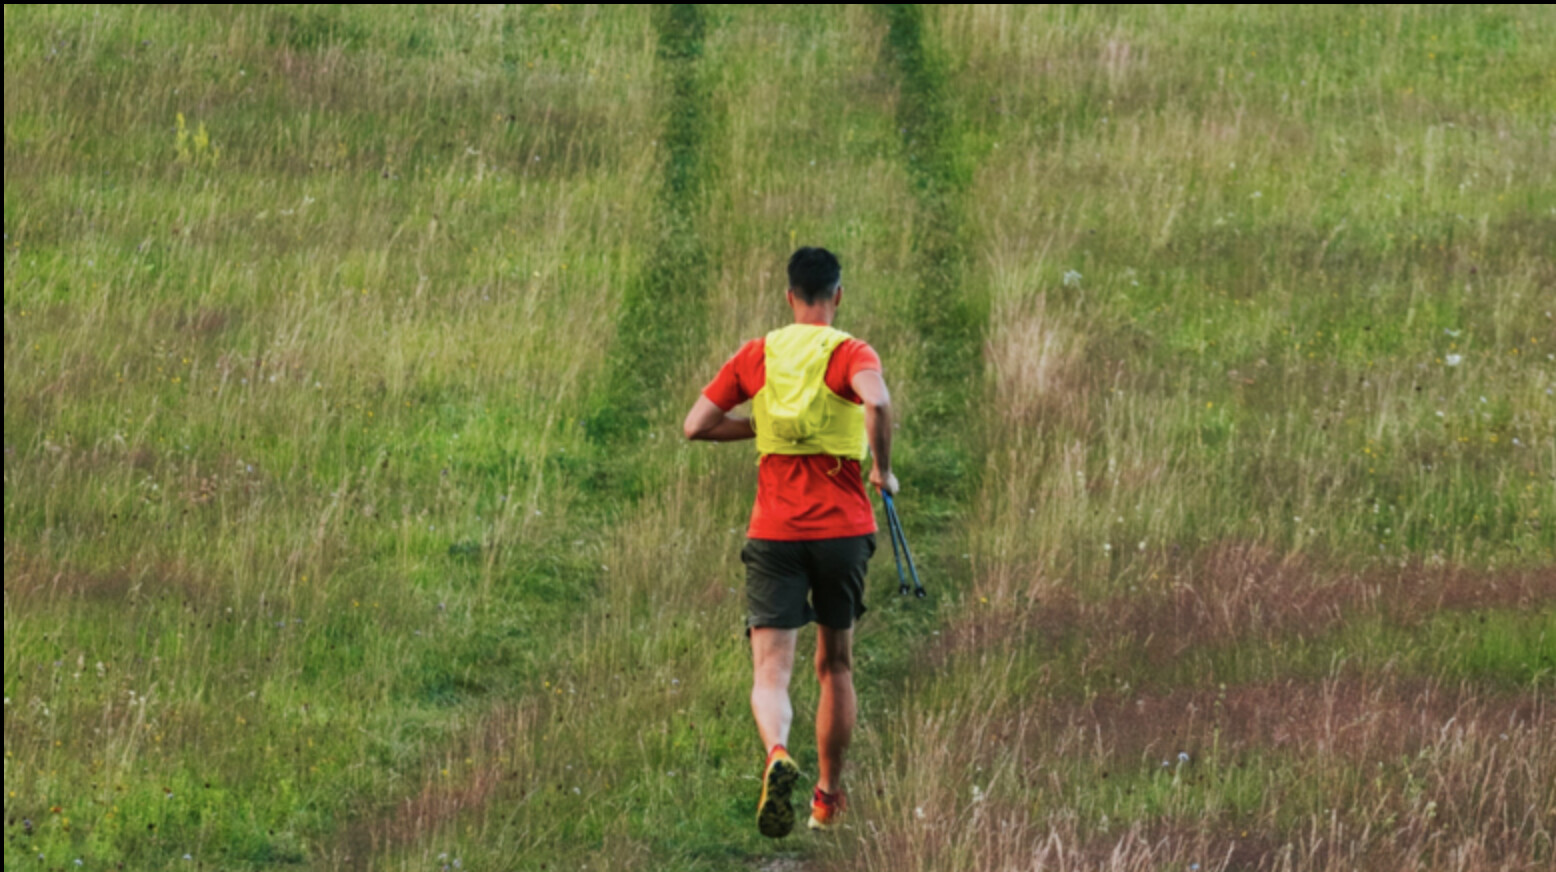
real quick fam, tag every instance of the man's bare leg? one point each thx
(772, 656)
(835, 716)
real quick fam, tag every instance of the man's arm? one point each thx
(871, 388)
(709, 423)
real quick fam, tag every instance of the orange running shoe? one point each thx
(826, 808)
(774, 812)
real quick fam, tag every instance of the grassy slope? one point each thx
(1230, 254)
(310, 444)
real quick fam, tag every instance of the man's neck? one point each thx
(818, 316)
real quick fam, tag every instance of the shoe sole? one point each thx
(775, 813)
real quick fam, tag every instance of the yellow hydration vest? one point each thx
(795, 412)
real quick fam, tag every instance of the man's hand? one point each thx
(885, 482)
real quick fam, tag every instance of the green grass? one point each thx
(347, 523)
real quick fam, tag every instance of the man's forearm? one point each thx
(877, 424)
(728, 430)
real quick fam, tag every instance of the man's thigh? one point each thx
(837, 570)
(777, 584)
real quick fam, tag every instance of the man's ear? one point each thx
(789, 296)
(837, 296)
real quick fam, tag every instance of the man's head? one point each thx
(815, 276)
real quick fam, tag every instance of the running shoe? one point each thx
(825, 809)
(774, 813)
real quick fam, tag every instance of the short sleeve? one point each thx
(728, 390)
(850, 359)
(863, 358)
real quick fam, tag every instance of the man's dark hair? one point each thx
(814, 274)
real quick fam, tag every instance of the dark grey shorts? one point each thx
(790, 584)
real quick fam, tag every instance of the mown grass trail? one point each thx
(663, 314)
(659, 319)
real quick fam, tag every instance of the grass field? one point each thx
(348, 523)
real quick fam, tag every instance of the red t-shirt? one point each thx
(802, 496)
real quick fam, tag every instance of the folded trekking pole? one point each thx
(897, 538)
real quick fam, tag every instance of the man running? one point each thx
(820, 408)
